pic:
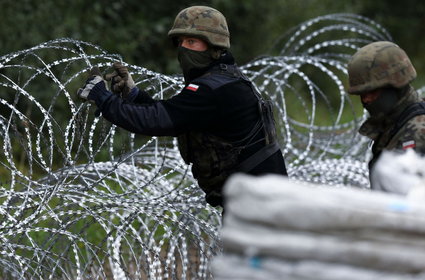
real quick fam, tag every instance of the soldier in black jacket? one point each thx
(222, 123)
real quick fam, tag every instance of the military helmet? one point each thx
(377, 65)
(204, 22)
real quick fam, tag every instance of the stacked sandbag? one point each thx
(276, 228)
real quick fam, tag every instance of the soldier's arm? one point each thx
(188, 111)
(139, 96)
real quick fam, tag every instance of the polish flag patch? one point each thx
(192, 87)
(409, 144)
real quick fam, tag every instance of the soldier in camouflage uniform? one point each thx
(222, 124)
(381, 73)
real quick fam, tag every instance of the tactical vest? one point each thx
(214, 159)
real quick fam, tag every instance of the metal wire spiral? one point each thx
(83, 199)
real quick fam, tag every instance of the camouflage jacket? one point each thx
(410, 136)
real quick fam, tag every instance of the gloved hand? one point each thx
(95, 78)
(121, 81)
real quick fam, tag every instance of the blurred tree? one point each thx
(406, 22)
(137, 29)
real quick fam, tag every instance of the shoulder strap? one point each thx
(218, 76)
(258, 157)
(265, 106)
(411, 111)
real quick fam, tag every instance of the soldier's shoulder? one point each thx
(417, 122)
(197, 88)
(411, 135)
(215, 80)
(415, 128)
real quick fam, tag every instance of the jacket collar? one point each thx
(226, 58)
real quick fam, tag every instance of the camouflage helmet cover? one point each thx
(379, 64)
(204, 22)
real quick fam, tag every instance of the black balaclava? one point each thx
(191, 60)
(384, 104)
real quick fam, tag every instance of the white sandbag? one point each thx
(230, 266)
(277, 217)
(400, 173)
(256, 239)
(281, 202)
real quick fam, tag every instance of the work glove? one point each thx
(95, 78)
(121, 81)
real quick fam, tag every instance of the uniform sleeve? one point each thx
(413, 135)
(148, 119)
(190, 110)
(139, 96)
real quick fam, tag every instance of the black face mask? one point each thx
(384, 104)
(191, 60)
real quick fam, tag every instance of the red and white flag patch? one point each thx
(192, 87)
(409, 144)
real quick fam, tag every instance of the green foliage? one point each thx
(137, 29)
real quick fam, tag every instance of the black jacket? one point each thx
(229, 112)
